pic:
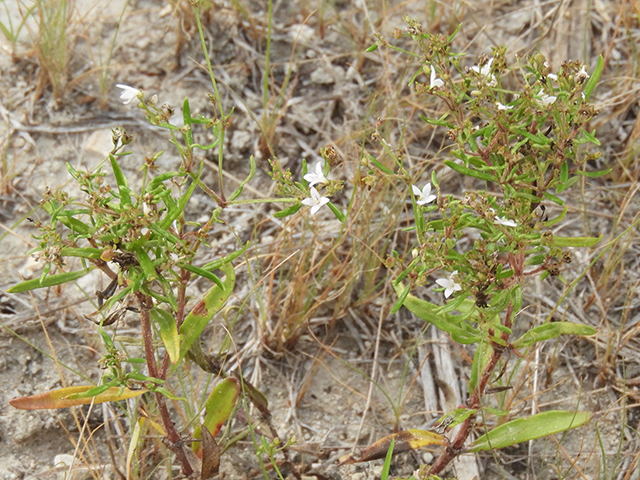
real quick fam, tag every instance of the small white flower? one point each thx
(423, 196)
(553, 76)
(547, 99)
(504, 221)
(485, 73)
(435, 82)
(503, 107)
(449, 284)
(317, 178)
(128, 93)
(315, 201)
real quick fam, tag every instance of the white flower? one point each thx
(485, 73)
(504, 221)
(503, 107)
(547, 99)
(435, 82)
(316, 178)
(553, 76)
(129, 93)
(423, 196)
(315, 201)
(449, 284)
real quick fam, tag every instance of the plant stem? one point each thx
(172, 436)
(453, 450)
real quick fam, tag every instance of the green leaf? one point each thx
(593, 80)
(469, 172)
(439, 122)
(60, 398)
(552, 330)
(525, 429)
(186, 117)
(445, 322)
(87, 252)
(252, 172)
(480, 360)
(401, 299)
(600, 173)
(379, 165)
(576, 241)
(204, 311)
(226, 259)
(121, 180)
(372, 48)
(146, 264)
(50, 281)
(218, 407)
(168, 332)
(288, 211)
(336, 211)
(202, 272)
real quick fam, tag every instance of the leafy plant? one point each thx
(519, 132)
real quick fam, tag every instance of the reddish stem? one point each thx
(171, 434)
(473, 402)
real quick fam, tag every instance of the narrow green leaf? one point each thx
(576, 241)
(121, 180)
(552, 330)
(439, 122)
(379, 165)
(226, 259)
(593, 80)
(288, 211)
(480, 360)
(252, 172)
(168, 332)
(401, 299)
(445, 322)
(204, 311)
(336, 211)
(186, 117)
(469, 172)
(600, 173)
(146, 264)
(87, 252)
(50, 281)
(372, 48)
(202, 272)
(525, 429)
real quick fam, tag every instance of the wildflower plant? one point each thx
(143, 242)
(520, 134)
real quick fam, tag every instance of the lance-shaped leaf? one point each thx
(204, 311)
(59, 398)
(576, 241)
(443, 321)
(168, 332)
(50, 281)
(552, 330)
(403, 442)
(218, 406)
(525, 429)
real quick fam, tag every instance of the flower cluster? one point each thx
(315, 201)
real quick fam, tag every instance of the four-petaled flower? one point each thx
(128, 93)
(449, 284)
(315, 201)
(504, 221)
(503, 107)
(435, 82)
(317, 178)
(485, 73)
(423, 196)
